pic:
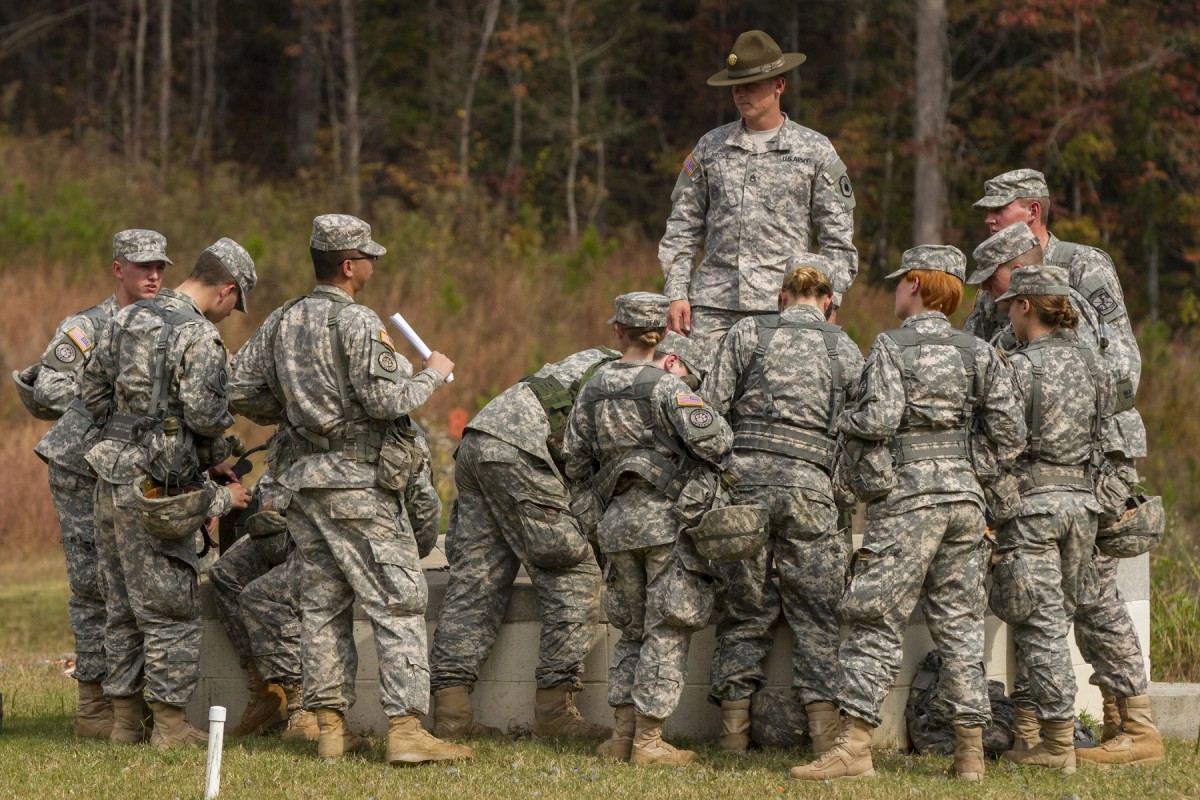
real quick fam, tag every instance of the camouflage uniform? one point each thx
(928, 532)
(657, 588)
(511, 490)
(72, 482)
(804, 544)
(751, 207)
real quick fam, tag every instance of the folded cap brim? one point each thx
(372, 248)
(897, 274)
(790, 62)
(147, 257)
(994, 201)
(981, 275)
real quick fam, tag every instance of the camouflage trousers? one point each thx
(485, 548)
(354, 546)
(709, 325)
(153, 628)
(943, 550)
(257, 610)
(74, 496)
(1056, 544)
(809, 555)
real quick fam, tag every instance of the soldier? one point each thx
(749, 194)
(324, 366)
(781, 380)
(927, 390)
(158, 378)
(1104, 630)
(52, 385)
(632, 430)
(1064, 394)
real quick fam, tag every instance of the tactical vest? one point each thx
(557, 400)
(665, 474)
(912, 444)
(768, 430)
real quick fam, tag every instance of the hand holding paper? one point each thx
(414, 339)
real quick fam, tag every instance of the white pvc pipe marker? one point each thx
(216, 741)
(414, 339)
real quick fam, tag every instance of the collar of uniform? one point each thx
(802, 311)
(925, 316)
(738, 137)
(1057, 336)
(1048, 250)
(178, 297)
(329, 288)
(112, 305)
(631, 364)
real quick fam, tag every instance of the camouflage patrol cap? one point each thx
(694, 355)
(754, 57)
(1039, 280)
(240, 265)
(937, 257)
(641, 310)
(140, 246)
(343, 232)
(1001, 248)
(811, 260)
(1003, 189)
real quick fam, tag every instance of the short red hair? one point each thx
(940, 291)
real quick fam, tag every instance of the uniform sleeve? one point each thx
(703, 431)
(833, 217)
(96, 387)
(685, 228)
(1102, 289)
(203, 384)
(254, 386)
(722, 379)
(422, 502)
(1001, 412)
(577, 443)
(58, 384)
(880, 401)
(382, 379)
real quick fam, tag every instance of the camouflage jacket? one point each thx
(751, 209)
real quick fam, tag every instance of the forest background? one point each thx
(517, 156)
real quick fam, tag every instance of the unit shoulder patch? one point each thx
(66, 353)
(387, 362)
(700, 418)
(689, 401)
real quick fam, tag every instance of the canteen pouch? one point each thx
(870, 467)
(399, 459)
(1003, 499)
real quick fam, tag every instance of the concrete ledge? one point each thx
(1176, 709)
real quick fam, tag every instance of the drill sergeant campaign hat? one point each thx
(1000, 248)
(239, 264)
(1003, 189)
(641, 310)
(140, 246)
(937, 257)
(754, 57)
(1039, 280)
(332, 232)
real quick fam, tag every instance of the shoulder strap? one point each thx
(171, 319)
(909, 340)
(341, 364)
(768, 325)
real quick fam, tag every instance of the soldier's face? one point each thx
(997, 284)
(758, 101)
(137, 281)
(997, 219)
(1020, 314)
(908, 298)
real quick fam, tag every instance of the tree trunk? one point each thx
(1150, 248)
(331, 95)
(929, 200)
(464, 133)
(164, 89)
(139, 80)
(572, 119)
(306, 90)
(353, 123)
(207, 42)
(516, 79)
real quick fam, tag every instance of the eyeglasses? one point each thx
(372, 259)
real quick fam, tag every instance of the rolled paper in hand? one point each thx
(416, 341)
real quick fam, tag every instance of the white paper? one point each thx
(415, 340)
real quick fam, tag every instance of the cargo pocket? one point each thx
(173, 582)
(1011, 598)
(686, 599)
(400, 576)
(618, 603)
(353, 504)
(1088, 591)
(399, 460)
(550, 534)
(870, 593)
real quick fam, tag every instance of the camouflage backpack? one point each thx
(926, 714)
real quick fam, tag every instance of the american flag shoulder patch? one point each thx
(690, 165)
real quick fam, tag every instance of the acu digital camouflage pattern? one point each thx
(804, 547)
(1000, 248)
(140, 246)
(751, 207)
(332, 232)
(640, 310)
(1106, 637)
(937, 257)
(240, 266)
(1003, 189)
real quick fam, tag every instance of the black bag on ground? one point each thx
(926, 715)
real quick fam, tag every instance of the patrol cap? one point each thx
(641, 310)
(1003, 189)
(343, 232)
(1001, 248)
(937, 257)
(755, 56)
(694, 355)
(239, 264)
(1039, 280)
(140, 246)
(811, 260)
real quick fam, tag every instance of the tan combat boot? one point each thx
(1138, 742)
(128, 723)
(1056, 750)
(555, 714)
(619, 746)
(172, 730)
(735, 726)
(968, 753)
(94, 716)
(452, 717)
(409, 743)
(301, 725)
(266, 709)
(335, 739)
(1027, 731)
(850, 756)
(1112, 716)
(649, 748)
(822, 726)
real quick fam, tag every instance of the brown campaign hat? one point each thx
(755, 56)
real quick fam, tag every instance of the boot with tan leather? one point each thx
(1112, 716)
(335, 739)
(555, 714)
(408, 743)
(452, 717)
(735, 726)
(128, 723)
(823, 726)
(301, 725)
(619, 746)
(265, 711)
(1055, 751)
(94, 716)
(1139, 741)
(172, 730)
(850, 756)
(1027, 731)
(968, 753)
(649, 749)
